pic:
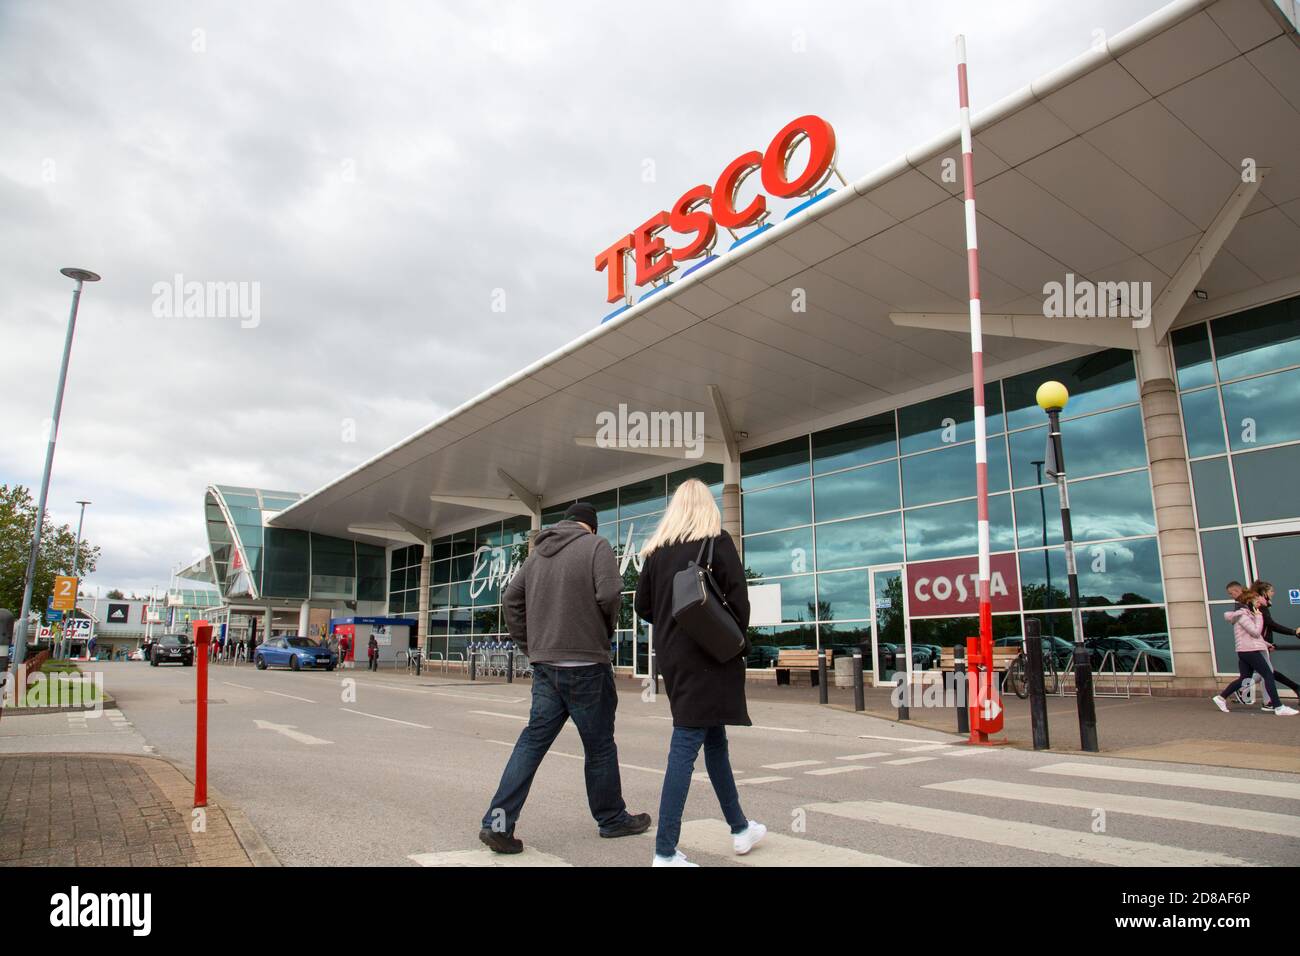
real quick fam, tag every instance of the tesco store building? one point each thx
(802, 345)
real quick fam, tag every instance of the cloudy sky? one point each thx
(379, 171)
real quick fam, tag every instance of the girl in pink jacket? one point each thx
(1252, 657)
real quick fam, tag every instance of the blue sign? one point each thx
(1295, 595)
(52, 615)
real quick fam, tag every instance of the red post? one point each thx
(202, 639)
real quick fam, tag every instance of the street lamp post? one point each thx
(20, 635)
(1052, 398)
(76, 570)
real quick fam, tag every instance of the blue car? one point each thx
(295, 653)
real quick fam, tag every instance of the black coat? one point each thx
(701, 692)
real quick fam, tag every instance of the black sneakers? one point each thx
(631, 825)
(500, 842)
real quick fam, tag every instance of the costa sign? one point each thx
(952, 586)
(700, 210)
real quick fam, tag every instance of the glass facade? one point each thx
(253, 561)
(848, 519)
(1239, 388)
(899, 488)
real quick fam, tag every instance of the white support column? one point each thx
(731, 522)
(304, 618)
(424, 594)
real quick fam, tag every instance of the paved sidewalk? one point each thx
(113, 810)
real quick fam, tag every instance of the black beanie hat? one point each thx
(582, 511)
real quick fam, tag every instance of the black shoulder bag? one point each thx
(701, 610)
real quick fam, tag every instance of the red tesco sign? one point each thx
(702, 209)
(951, 586)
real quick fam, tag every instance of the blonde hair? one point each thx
(692, 515)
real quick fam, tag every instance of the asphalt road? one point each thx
(361, 769)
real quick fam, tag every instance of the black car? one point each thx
(172, 649)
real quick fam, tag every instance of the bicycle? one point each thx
(1018, 673)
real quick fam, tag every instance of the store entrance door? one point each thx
(1275, 558)
(891, 638)
(642, 647)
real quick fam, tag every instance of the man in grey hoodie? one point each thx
(560, 608)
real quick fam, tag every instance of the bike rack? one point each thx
(1115, 674)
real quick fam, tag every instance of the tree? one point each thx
(58, 543)
(115, 595)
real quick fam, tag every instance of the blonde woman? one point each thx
(705, 696)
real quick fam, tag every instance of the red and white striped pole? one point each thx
(977, 360)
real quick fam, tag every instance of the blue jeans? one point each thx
(683, 750)
(588, 695)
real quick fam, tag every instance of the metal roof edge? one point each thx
(1127, 39)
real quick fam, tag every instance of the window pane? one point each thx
(774, 464)
(857, 492)
(644, 497)
(798, 601)
(945, 531)
(857, 443)
(843, 596)
(1115, 507)
(861, 542)
(1122, 572)
(782, 552)
(1212, 485)
(1192, 356)
(1203, 423)
(710, 473)
(1032, 508)
(783, 507)
(948, 420)
(1262, 411)
(767, 642)
(950, 473)
(1258, 340)
(1043, 581)
(1097, 381)
(1267, 489)
(1093, 446)
(1221, 552)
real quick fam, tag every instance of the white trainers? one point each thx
(1285, 711)
(1220, 703)
(677, 859)
(748, 838)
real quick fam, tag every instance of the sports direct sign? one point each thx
(952, 586)
(700, 210)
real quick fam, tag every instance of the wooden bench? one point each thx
(800, 660)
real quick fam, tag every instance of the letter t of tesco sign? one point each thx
(702, 209)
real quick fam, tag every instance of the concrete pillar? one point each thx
(1180, 556)
(535, 527)
(424, 593)
(304, 618)
(731, 501)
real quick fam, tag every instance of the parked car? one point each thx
(1126, 653)
(172, 649)
(294, 653)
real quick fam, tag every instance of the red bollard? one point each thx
(202, 639)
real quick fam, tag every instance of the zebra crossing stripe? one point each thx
(907, 760)
(922, 748)
(1081, 844)
(1176, 778)
(827, 771)
(791, 764)
(751, 781)
(1260, 821)
(776, 849)
(878, 753)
